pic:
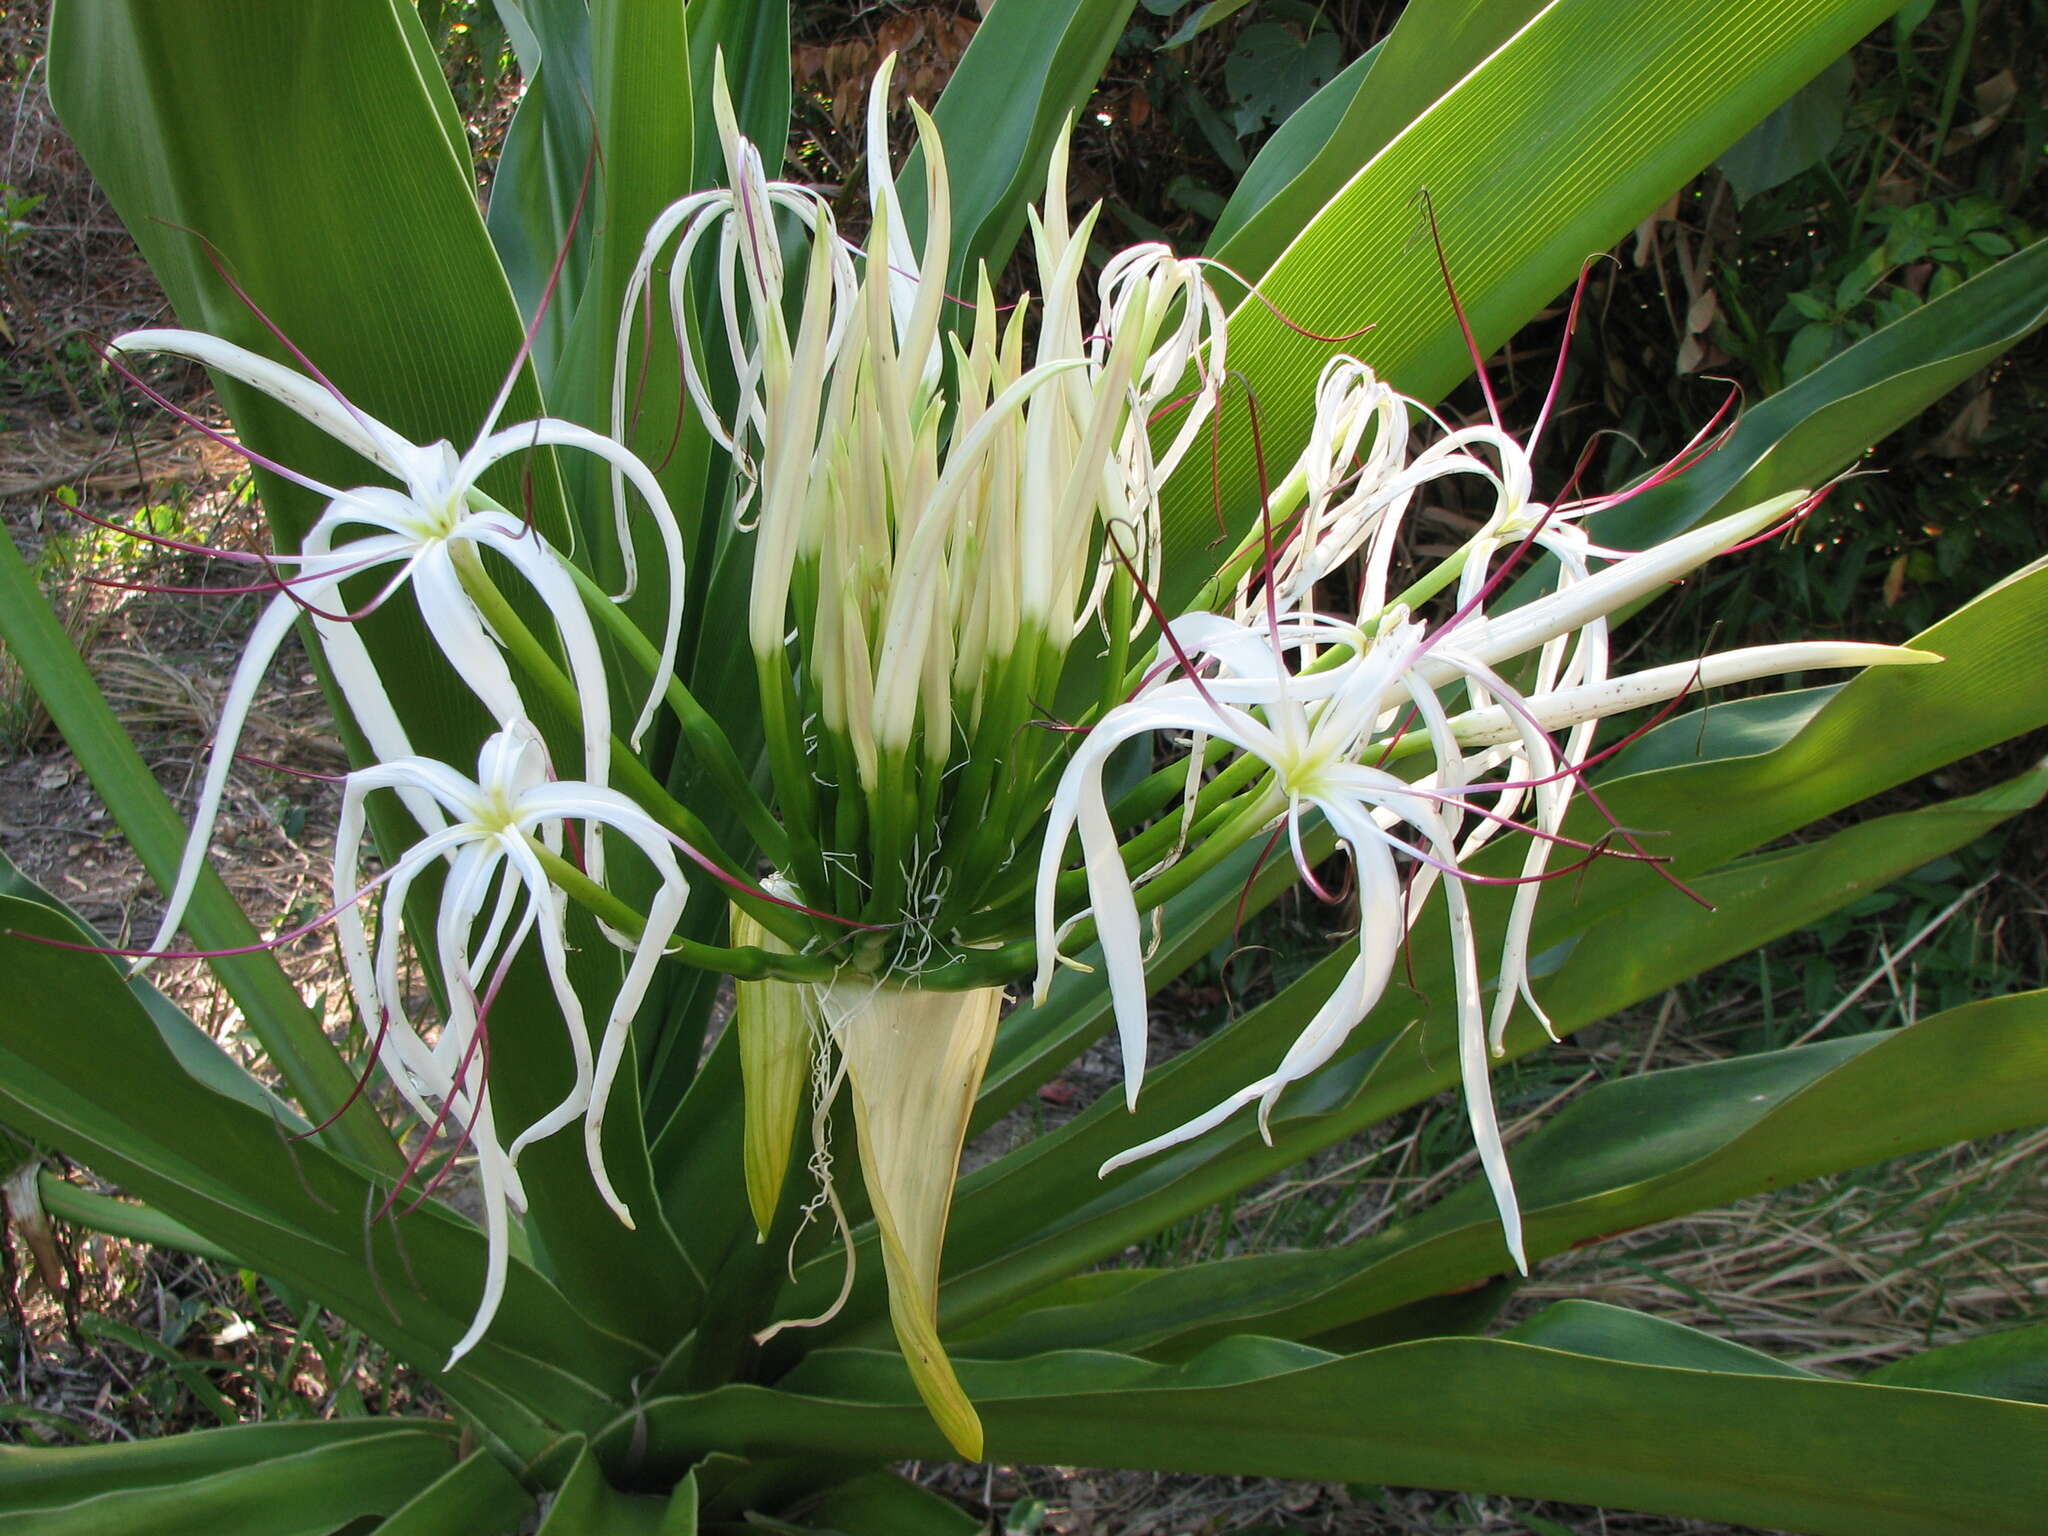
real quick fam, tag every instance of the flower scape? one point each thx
(956, 621)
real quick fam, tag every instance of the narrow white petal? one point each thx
(459, 633)
(1078, 799)
(345, 423)
(272, 626)
(550, 432)
(545, 912)
(494, 1173)
(1655, 685)
(1523, 629)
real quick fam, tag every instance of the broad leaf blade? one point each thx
(276, 1014)
(266, 1480)
(2010, 1364)
(1029, 69)
(1829, 1457)
(84, 1068)
(476, 1497)
(1306, 164)
(1549, 151)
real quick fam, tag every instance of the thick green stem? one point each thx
(782, 729)
(747, 963)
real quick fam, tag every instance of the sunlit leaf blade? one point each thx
(533, 212)
(755, 41)
(197, 1051)
(267, 132)
(1615, 1333)
(268, 1480)
(1829, 1457)
(1316, 151)
(67, 1203)
(1294, 144)
(1550, 151)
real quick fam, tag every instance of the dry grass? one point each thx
(1845, 1274)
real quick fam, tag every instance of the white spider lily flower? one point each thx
(419, 529)
(775, 373)
(490, 830)
(1345, 502)
(1323, 733)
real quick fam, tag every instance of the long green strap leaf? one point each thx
(1315, 152)
(1633, 1151)
(1549, 151)
(85, 1070)
(1029, 69)
(1828, 1457)
(270, 131)
(307, 1483)
(2010, 1364)
(1814, 428)
(588, 1505)
(540, 170)
(476, 1497)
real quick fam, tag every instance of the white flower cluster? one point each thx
(480, 835)
(1325, 703)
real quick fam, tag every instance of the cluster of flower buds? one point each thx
(934, 508)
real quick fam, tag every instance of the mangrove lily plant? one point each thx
(1041, 671)
(934, 537)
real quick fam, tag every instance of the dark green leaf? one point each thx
(1828, 1457)
(2011, 1364)
(1271, 72)
(304, 1479)
(1794, 138)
